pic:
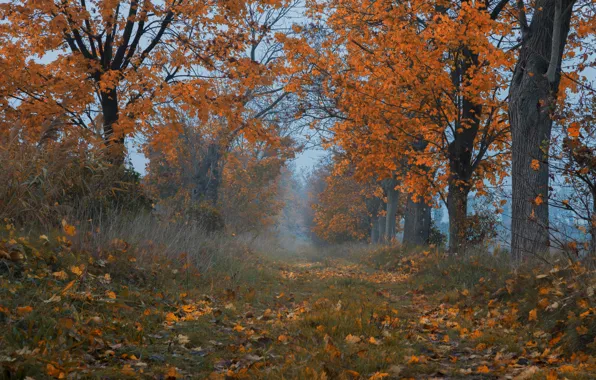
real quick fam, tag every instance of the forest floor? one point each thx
(373, 316)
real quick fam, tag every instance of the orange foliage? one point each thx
(251, 187)
(111, 67)
(340, 211)
(250, 173)
(395, 77)
(417, 89)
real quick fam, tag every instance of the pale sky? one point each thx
(304, 160)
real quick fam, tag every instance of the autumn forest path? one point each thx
(341, 319)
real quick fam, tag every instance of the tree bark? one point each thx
(532, 98)
(461, 164)
(114, 140)
(382, 231)
(593, 225)
(208, 176)
(417, 223)
(373, 205)
(374, 231)
(457, 205)
(392, 202)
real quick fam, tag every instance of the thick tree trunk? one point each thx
(208, 176)
(532, 97)
(374, 231)
(457, 205)
(113, 139)
(417, 223)
(382, 231)
(392, 202)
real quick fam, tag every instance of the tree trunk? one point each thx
(114, 140)
(417, 217)
(532, 98)
(208, 176)
(382, 231)
(374, 231)
(417, 223)
(457, 205)
(392, 202)
(461, 164)
(593, 226)
(373, 204)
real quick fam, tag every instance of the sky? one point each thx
(304, 161)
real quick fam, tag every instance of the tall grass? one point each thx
(178, 241)
(41, 184)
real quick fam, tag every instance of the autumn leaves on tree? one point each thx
(193, 78)
(423, 103)
(429, 92)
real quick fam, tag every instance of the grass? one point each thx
(168, 304)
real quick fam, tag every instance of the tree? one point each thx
(109, 66)
(417, 218)
(374, 207)
(532, 103)
(241, 181)
(390, 186)
(251, 186)
(340, 208)
(418, 71)
(254, 106)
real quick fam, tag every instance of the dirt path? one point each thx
(343, 320)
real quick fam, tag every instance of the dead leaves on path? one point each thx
(339, 270)
(462, 338)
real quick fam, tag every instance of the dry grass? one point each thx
(40, 185)
(151, 235)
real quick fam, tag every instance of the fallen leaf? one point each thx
(374, 341)
(528, 373)
(54, 298)
(413, 359)
(62, 275)
(68, 286)
(54, 371)
(172, 374)
(77, 270)
(24, 310)
(378, 375)
(69, 230)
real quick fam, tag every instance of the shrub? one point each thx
(206, 216)
(42, 184)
